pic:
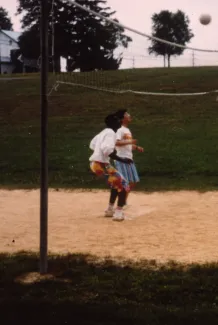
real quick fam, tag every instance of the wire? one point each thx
(137, 32)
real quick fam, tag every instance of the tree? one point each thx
(5, 21)
(18, 66)
(173, 27)
(86, 41)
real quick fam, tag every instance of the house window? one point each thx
(10, 42)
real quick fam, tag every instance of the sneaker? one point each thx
(118, 215)
(109, 213)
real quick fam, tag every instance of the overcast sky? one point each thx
(137, 14)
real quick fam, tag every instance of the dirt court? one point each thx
(181, 226)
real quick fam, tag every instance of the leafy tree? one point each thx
(5, 20)
(18, 66)
(173, 27)
(86, 41)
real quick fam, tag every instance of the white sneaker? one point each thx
(118, 215)
(109, 213)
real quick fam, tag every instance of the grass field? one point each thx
(179, 135)
(80, 290)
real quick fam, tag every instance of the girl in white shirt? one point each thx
(125, 144)
(103, 146)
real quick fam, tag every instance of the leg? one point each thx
(131, 174)
(128, 174)
(99, 170)
(117, 182)
(132, 186)
(113, 196)
(121, 202)
(121, 199)
(118, 215)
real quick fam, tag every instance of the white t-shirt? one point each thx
(103, 144)
(124, 133)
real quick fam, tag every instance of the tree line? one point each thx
(90, 43)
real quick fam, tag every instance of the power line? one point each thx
(136, 31)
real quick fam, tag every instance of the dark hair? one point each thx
(120, 114)
(110, 120)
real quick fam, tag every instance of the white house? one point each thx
(8, 42)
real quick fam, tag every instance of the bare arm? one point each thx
(121, 143)
(140, 149)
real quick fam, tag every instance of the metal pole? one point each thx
(0, 59)
(193, 58)
(53, 36)
(44, 128)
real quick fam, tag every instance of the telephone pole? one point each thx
(44, 131)
(193, 58)
(53, 37)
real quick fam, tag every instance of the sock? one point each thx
(110, 206)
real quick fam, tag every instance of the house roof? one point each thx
(13, 35)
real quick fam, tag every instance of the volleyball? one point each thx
(205, 19)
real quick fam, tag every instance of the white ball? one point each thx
(205, 19)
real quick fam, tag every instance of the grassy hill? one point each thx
(179, 134)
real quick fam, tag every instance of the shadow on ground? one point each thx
(80, 289)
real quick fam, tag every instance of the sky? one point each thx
(137, 15)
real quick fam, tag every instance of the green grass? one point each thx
(84, 291)
(179, 134)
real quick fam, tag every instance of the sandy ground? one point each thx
(181, 226)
